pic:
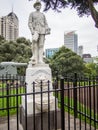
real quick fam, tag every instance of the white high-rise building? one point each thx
(9, 27)
(71, 41)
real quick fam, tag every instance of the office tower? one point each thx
(50, 51)
(71, 41)
(9, 27)
(80, 51)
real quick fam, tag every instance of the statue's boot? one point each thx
(34, 58)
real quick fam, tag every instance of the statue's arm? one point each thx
(30, 23)
(46, 26)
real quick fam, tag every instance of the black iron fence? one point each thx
(75, 104)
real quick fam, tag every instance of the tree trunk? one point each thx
(94, 12)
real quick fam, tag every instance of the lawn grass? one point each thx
(83, 113)
(8, 102)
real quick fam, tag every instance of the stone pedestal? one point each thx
(30, 105)
(39, 78)
(36, 74)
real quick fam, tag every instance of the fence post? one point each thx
(57, 80)
(56, 86)
(7, 101)
(75, 95)
(62, 104)
(26, 106)
(17, 85)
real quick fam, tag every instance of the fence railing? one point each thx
(80, 99)
(78, 96)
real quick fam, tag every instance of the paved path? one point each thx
(13, 124)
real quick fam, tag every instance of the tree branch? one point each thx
(94, 12)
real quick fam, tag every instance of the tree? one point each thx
(66, 62)
(23, 40)
(82, 6)
(91, 69)
(1, 38)
(19, 51)
(13, 51)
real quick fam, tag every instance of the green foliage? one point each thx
(19, 51)
(1, 38)
(23, 40)
(91, 69)
(66, 62)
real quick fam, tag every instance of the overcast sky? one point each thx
(67, 20)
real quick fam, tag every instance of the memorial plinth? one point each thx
(32, 103)
(37, 74)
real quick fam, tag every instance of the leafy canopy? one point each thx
(19, 51)
(65, 62)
